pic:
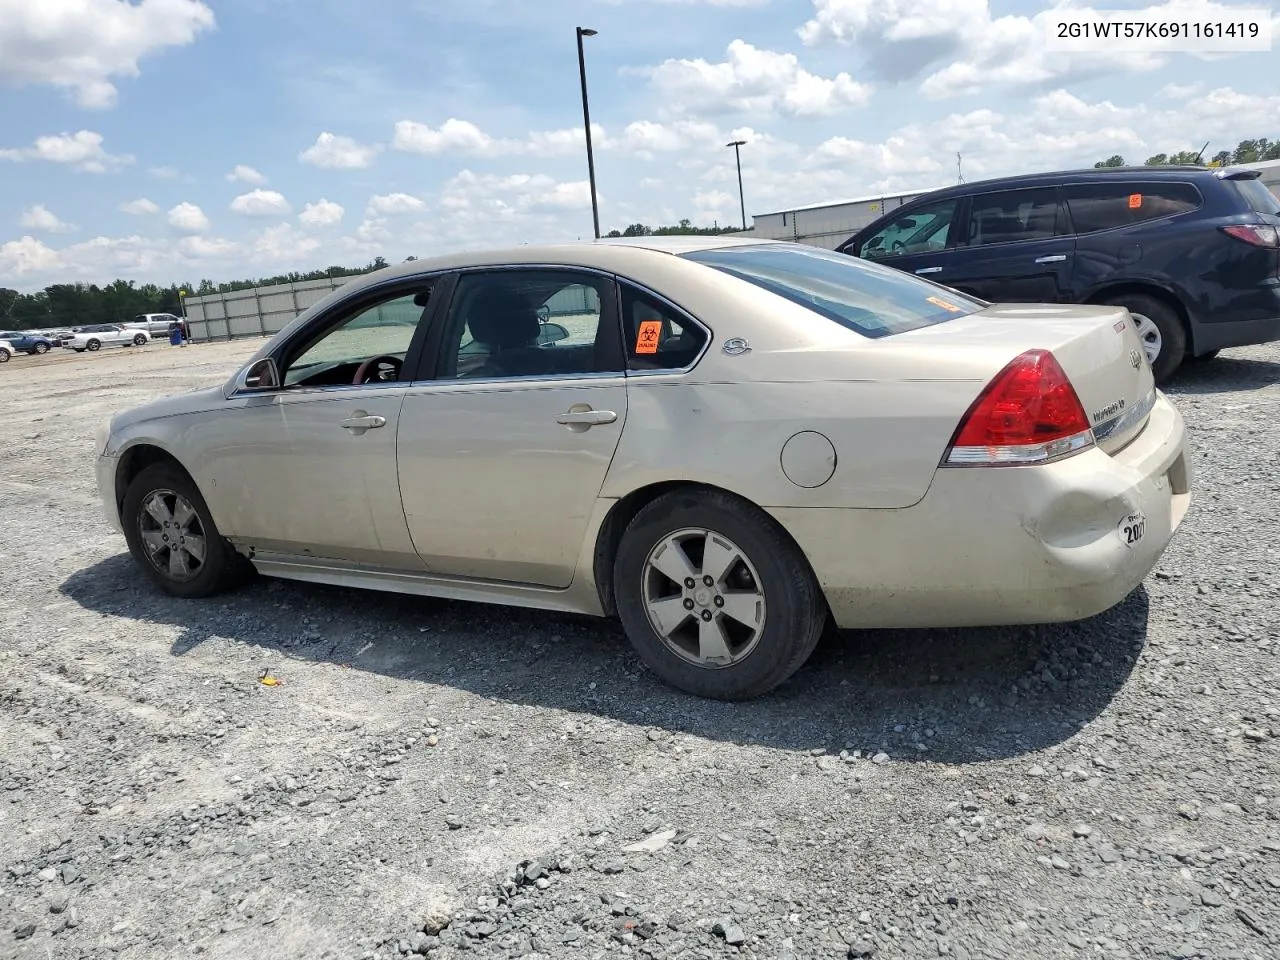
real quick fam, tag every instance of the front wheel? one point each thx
(4, 356)
(172, 536)
(715, 597)
(93, 345)
(139, 340)
(41, 348)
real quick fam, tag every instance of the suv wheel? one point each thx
(41, 348)
(1159, 329)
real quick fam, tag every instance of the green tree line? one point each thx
(78, 304)
(1247, 151)
(684, 228)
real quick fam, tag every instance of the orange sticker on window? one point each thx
(1135, 201)
(648, 335)
(939, 302)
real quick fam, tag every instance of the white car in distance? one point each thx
(6, 351)
(97, 336)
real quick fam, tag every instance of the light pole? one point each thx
(736, 144)
(586, 122)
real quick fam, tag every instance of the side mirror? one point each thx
(260, 375)
(552, 333)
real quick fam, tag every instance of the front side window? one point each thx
(923, 230)
(529, 323)
(369, 346)
(1013, 215)
(656, 336)
(1104, 206)
(870, 299)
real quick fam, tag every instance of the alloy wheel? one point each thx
(172, 534)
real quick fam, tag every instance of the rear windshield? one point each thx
(1258, 196)
(868, 298)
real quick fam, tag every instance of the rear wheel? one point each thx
(4, 356)
(1160, 330)
(93, 345)
(714, 595)
(172, 536)
(139, 340)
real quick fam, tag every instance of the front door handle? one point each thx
(1054, 258)
(362, 422)
(590, 418)
(929, 270)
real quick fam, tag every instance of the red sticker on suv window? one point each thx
(648, 335)
(1135, 201)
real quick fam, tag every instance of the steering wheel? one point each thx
(386, 369)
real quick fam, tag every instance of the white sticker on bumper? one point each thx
(1132, 529)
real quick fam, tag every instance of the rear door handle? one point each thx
(591, 418)
(362, 422)
(929, 270)
(1055, 258)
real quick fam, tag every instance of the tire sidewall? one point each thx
(218, 557)
(791, 596)
(92, 345)
(41, 348)
(1173, 338)
(139, 340)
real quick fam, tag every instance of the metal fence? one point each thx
(258, 312)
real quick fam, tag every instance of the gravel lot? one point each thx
(1103, 789)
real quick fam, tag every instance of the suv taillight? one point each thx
(1258, 234)
(1028, 414)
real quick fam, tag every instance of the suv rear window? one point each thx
(870, 299)
(1257, 196)
(1102, 206)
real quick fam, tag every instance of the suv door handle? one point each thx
(590, 418)
(929, 270)
(1053, 258)
(362, 422)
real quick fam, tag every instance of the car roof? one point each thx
(1055, 177)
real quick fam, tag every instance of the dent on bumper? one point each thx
(1007, 545)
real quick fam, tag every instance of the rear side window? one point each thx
(1012, 215)
(658, 336)
(1257, 196)
(870, 299)
(1103, 206)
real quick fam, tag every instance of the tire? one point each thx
(93, 345)
(4, 356)
(40, 348)
(221, 568)
(1204, 357)
(1172, 337)
(794, 610)
(139, 340)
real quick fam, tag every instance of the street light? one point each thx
(586, 122)
(736, 144)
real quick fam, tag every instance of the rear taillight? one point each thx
(1258, 234)
(1028, 414)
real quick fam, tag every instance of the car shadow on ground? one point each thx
(1223, 374)
(969, 695)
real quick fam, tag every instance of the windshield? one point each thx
(1258, 196)
(870, 299)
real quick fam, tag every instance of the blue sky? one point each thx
(398, 127)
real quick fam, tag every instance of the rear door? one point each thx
(917, 240)
(1016, 246)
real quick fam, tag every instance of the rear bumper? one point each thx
(1007, 545)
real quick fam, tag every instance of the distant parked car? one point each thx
(1193, 253)
(156, 324)
(6, 351)
(101, 335)
(32, 343)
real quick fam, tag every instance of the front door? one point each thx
(917, 241)
(503, 454)
(1017, 247)
(309, 470)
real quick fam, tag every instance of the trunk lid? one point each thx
(1097, 347)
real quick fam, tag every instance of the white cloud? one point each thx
(164, 173)
(188, 218)
(322, 213)
(753, 81)
(246, 174)
(504, 196)
(395, 203)
(339, 153)
(284, 244)
(260, 203)
(27, 255)
(452, 136)
(960, 47)
(79, 45)
(40, 217)
(207, 248)
(81, 150)
(139, 208)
